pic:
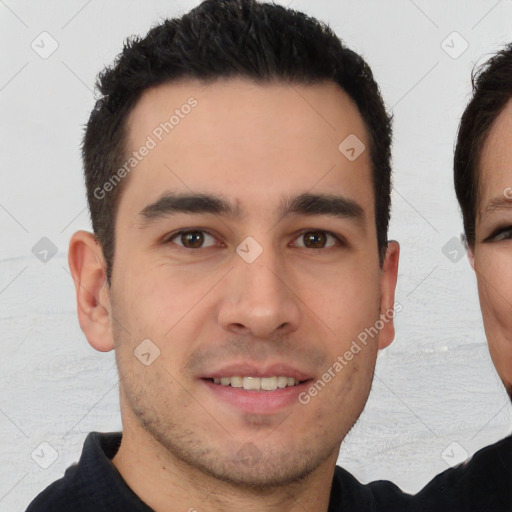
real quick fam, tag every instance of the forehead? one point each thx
(256, 139)
(495, 169)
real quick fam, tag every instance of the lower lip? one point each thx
(257, 402)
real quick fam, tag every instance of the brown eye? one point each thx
(316, 239)
(193, 239)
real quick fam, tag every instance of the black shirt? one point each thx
(482, 484)
(95, 485)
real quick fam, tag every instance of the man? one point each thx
(483, 182)
(238, 176)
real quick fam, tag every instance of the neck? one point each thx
(167, 484)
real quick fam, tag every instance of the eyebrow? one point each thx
(303, 204)
(497, 204)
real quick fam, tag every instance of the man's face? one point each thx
(215, 312)
(493, 247)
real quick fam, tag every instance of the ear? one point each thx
(87, 266)
(388, 277)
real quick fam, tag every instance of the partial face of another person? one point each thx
(264, 281)
(493, 244)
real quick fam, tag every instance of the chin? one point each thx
(261, 478)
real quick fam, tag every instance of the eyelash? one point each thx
(497, 232)
(340, 242)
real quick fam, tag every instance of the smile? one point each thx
(257, 383)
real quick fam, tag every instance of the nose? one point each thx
(257, 300)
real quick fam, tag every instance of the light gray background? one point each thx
(434, 386)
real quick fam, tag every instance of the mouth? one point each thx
(250, 383)
(254, 392)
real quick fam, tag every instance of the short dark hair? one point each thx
(492, 88)
(227, 38)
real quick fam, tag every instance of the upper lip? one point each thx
(252, 370)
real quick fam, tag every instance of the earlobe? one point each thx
(87, 266)
(389, 273)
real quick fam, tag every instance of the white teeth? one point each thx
(257, 383)
(282, 382)
(269, 383)
(252, 383)
(236, 382)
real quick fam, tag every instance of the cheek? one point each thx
(152, 290)
(348, 304)
(352, 298)
(495, 292)
(169, 307)
(494, 277)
